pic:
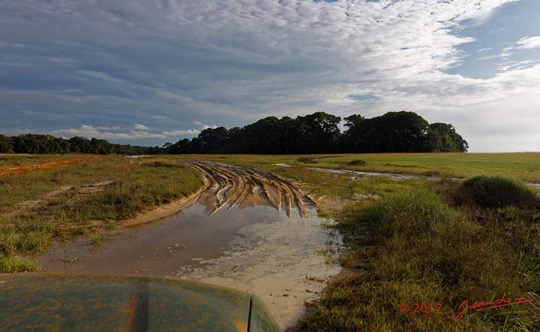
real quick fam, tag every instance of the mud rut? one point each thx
(238, 186)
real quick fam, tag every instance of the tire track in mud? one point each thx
(238, 186)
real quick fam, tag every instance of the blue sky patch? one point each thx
(368, 97)
(494, 49)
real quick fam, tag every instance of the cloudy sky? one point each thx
(150, 71)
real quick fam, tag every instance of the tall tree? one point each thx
(442, 137)
(6, 144)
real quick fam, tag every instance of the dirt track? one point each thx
(43, 166)
(238, 186)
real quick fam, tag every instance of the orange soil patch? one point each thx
(43, 166)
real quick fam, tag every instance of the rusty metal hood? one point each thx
(105, 303)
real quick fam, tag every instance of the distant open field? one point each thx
(525, 166)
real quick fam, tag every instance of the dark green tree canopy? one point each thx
(313, 133)
(32, 143)
(319, 133)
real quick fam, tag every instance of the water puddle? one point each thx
(155, 249)
(270, 243)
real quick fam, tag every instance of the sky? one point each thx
(146, 72)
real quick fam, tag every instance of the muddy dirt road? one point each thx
(247, 229)
(234, 185)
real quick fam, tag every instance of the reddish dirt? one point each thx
(43, 166)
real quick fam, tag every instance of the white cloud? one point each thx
(181, 132)
(138, 132)
(528, 43)
(139, 126)
(91, 131)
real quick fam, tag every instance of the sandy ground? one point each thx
(285, 262)
(166, 209)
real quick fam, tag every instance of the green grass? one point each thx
(15, 263)
(413, 247)
(136, 185)
(524, 166)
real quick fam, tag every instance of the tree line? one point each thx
(314, 133)
(319, 133)
(39, 144)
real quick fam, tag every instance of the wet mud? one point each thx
(234, 185)
(247, 229)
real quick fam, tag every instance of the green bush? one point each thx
(162, 164)
(308, 160)
(356, 162)
(496, 192)
(409, 214)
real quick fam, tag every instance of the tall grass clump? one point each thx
(15, 263)
(496, 192)
(407, 214)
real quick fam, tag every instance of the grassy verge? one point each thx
(82, 199)
(429, 251)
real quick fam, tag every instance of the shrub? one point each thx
(308, 160)
(496, 192)
(162, 164)
(356, 162)
(409, 214)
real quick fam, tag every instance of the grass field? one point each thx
(409, 243)
(525, 166)
(81, 199)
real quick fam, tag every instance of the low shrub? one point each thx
(408, 214)
(356, 162)
(308, 160)
(496, 192)
(162, 164)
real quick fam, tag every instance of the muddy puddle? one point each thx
(248, 230)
